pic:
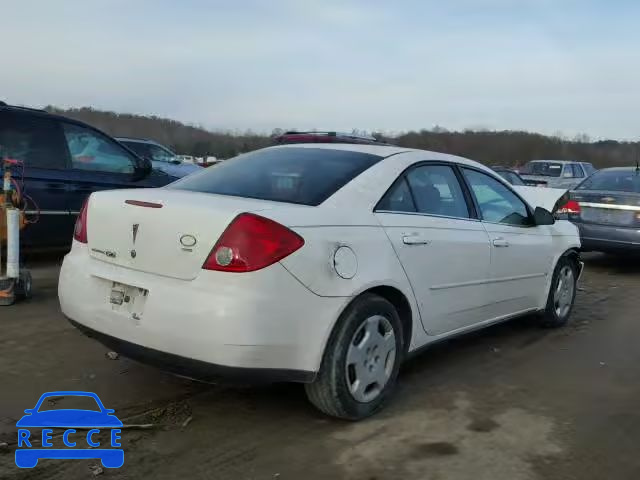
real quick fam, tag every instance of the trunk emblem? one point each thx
(188, 241)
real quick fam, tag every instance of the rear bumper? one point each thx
(603, 238)
(218, 325)
(195, 369)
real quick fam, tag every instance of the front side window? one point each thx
(436, 191)
(497, 203)
(34, 140)
(91, 151)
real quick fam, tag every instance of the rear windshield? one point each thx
(546, 169)
(613, 181)
(306, 176)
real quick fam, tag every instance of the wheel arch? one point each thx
(573, 254)
(400, 302)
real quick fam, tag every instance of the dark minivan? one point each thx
(64, 161)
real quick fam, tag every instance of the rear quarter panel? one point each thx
(326, 231)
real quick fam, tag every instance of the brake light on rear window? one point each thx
(252, 242)
(571, 207)
(80, 231)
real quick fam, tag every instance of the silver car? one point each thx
(556, 173)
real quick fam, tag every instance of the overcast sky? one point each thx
(570, 66)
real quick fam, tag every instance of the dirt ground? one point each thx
(513, 402)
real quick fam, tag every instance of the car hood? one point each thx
(69, 418)
(547, 198)
(178, 171)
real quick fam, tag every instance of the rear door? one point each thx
(521, 253)
(97, 162)
(37, 141)
(443, 249)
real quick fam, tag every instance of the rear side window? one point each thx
(35, 140)
(613, 181)
(436, 191)
(398, 198)
(306, 176)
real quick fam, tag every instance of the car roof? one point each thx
(385, 151)
(43, 113)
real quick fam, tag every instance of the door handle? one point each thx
(500, 242)
(415, 239)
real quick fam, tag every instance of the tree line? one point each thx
(508, 148)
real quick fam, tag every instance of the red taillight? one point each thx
(252, 242)
(571, 207)
(80, 231)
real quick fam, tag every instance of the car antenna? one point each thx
(637, 160)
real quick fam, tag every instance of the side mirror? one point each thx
(542, 216)
(142, 168)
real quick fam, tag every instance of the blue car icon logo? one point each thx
(76, 422)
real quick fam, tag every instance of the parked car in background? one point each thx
(326, 264)
(188, 159)
(160, 156)
(555, 173)
(209, 161)
(606, 209)
(64, 161)
(509, 175)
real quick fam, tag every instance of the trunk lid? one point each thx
(536, 180)
(620, 209)
(171, 237)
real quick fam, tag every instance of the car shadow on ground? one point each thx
(612, 264)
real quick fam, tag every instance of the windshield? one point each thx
(66, 402)
(305, 176)
(613, 181)
(545, 169)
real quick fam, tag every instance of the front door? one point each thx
(97, 163)
(444, 251)
(521, 253)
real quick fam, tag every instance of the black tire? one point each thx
(551, 317)
(330, 391)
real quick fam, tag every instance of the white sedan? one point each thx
(326, 264)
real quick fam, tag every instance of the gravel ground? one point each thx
(513, 402)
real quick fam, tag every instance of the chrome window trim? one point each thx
(609, 206)
(420, 214)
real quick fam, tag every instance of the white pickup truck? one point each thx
(555, 173)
